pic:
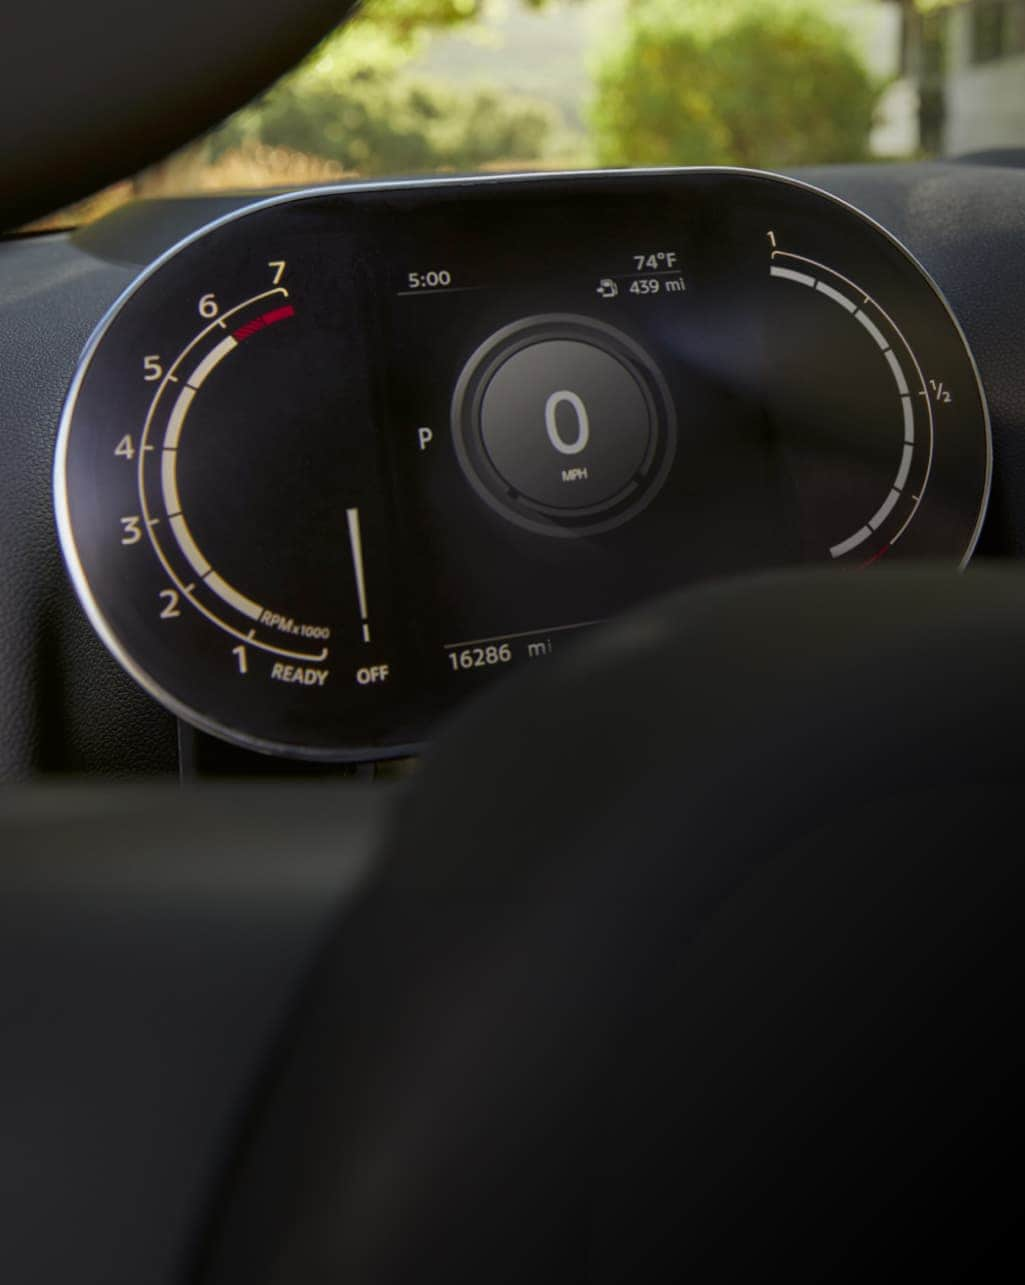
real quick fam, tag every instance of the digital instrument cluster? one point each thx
(344, 457)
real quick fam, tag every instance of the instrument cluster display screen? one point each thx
(344, 458)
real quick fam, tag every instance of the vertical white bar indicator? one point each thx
(356, 541)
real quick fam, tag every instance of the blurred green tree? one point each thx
(760, 83)
(350, 103)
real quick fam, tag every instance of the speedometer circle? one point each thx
(563, 425)
(310, 465)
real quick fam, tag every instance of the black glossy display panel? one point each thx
(343, 459)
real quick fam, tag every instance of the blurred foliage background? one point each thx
(673, 81)
(761, 83)
(355, 103)
(765, 83)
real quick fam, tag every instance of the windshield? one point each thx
(439, 86)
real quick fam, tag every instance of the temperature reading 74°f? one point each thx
(657, 260)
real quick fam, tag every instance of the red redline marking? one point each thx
(875, 557)
(261, 323)
(278, 314)
(243, 332)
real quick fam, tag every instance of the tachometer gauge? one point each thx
(342, 458)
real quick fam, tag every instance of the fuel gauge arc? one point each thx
(899, 369)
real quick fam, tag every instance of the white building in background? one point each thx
(981, 76)
(878, 31)
(955, 76)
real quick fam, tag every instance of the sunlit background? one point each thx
(436, 86)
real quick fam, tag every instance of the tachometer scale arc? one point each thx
(856, 310)
(169, 487)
